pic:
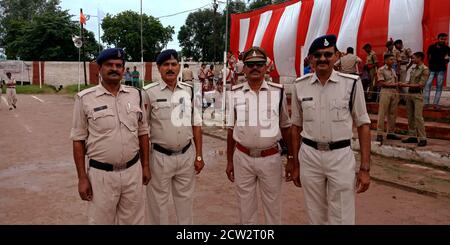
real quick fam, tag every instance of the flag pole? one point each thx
(142, 54)
(224, 89)
(83, 44)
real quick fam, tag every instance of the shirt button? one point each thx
(179, 132)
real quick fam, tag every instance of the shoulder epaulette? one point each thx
(237, 86)
(186, 84)
(304, 77)
(151, 85)
(277, 85)
(87, 91)
(354, 77)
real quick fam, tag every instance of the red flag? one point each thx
(82, 18)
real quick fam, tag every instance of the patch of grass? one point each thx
(73, 89)
(33, 89)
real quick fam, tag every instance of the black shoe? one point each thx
(14, 106)
(410, 140)
(379, 138)
(393, 137)
(422, 143)
(10, 109)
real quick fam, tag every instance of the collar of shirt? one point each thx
(264, 86)
(333, 77)
(102, 90)
(163, 85)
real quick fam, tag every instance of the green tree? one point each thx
(202, 36)
(123, 30)
(256, 4)
(40, 30)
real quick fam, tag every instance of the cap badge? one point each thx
(119, 54)
(254, 54)
(326, 43)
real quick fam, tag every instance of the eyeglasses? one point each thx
(253, 64)
(318, 54)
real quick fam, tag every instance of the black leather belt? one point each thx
(113, 167)
(327, 146)
(168, 152)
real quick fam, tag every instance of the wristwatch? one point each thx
(290, 157)
(199, 158)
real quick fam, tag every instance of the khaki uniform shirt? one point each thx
(402, 57)
(387, 75)
(187, 75)
(371, 58)
(170, 114)
(257, 117)
(323, 110)
(419, 75)
(349, 63)
(109, 124)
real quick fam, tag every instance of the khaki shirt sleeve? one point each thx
(296, 117)
(359, 114)
(79, 129)
(358, 60)
(424, 76)
(143, 127)
(285, 121)
(380, 76)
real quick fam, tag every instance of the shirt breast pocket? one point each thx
(103, 121)
(339, 110)
(134, 115)
(162, 110)
(308, 108)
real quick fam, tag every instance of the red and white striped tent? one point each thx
(286, 30)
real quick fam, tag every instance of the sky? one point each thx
(155, 8)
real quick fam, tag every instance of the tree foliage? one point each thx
(202, 36)
(124, 30)
(40, 30)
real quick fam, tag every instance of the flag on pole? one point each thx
(286, 30)
(82, 18)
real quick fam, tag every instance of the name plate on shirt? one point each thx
(307, 99)
(100, 108)
(161, 100)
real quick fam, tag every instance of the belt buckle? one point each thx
(321, 146)
(119, 167)
(255, 153)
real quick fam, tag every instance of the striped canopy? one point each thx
(286, 30)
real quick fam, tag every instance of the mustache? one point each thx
(322, 62)
(113, 72)
(170, 72)
(255, 70)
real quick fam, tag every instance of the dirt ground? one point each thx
(39, 185)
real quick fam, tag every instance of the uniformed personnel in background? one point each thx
(403, 58)
(259, 119)
(325, 104)
(11, 91)
(371, 66)
(349, 62)
(389, 98)
(109, 127)
(187, 75)
(176, 140)
(414, 100)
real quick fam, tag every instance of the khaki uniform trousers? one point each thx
(11, 96)
(176, 173)
(118, 196)
(387, 107)
(416, 124)
(267, 172)
(372, 87)
(328, 182)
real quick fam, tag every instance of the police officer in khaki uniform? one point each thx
(175, 159)
(414, 102)
(110, 128)
(325, 104)
(371, 66)
(402, 57)
(389, 97)
(11, 91)
(187, 75)
(258, 120)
